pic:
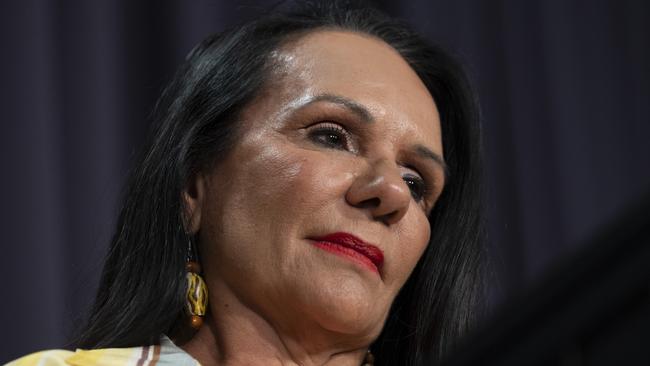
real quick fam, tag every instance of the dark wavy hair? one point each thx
(141, 291)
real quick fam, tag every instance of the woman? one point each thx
(322, 165)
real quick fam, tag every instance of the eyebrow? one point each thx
(426, 153)
(359, 110)
(364, 114)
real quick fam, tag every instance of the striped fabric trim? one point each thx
(165, 354)
(149, 356)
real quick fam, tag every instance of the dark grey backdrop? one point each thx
(564, 88)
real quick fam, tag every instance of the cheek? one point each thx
(262, 202)
(413, 237)
(262, 174)
(271, 188)
(249, 197)
(283, 181)
(290, 181)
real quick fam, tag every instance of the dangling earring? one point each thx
(196, 301)
(369, 360)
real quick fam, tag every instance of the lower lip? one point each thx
(347, 253)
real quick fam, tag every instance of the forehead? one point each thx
(361, 68)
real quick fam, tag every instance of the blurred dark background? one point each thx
(564, 88)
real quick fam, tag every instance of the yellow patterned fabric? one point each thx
(165, 354)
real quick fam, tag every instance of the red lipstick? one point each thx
(353, 248)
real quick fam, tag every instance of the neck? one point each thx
(233, 334)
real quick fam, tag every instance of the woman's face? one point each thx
(345, 138)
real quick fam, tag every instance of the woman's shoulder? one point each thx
(164, 354)
(97, 357)
(54, 357)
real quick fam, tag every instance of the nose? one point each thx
(381, 190)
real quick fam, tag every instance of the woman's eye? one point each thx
(330, 135)
(416, 186)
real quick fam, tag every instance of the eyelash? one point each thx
(327, 130)
(417, 186)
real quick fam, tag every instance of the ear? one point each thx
(193, 196)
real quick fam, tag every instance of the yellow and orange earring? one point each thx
(196, 301)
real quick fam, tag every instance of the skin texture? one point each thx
(274, 297)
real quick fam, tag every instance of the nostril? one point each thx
(370, 203)
(386, 219)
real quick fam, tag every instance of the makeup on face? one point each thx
(352, 248)
(318, 201)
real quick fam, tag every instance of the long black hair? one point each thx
(141, 292)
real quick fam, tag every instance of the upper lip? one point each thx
(373, 253)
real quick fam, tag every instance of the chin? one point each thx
(348, 308)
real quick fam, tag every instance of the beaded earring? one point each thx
(196, 301)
